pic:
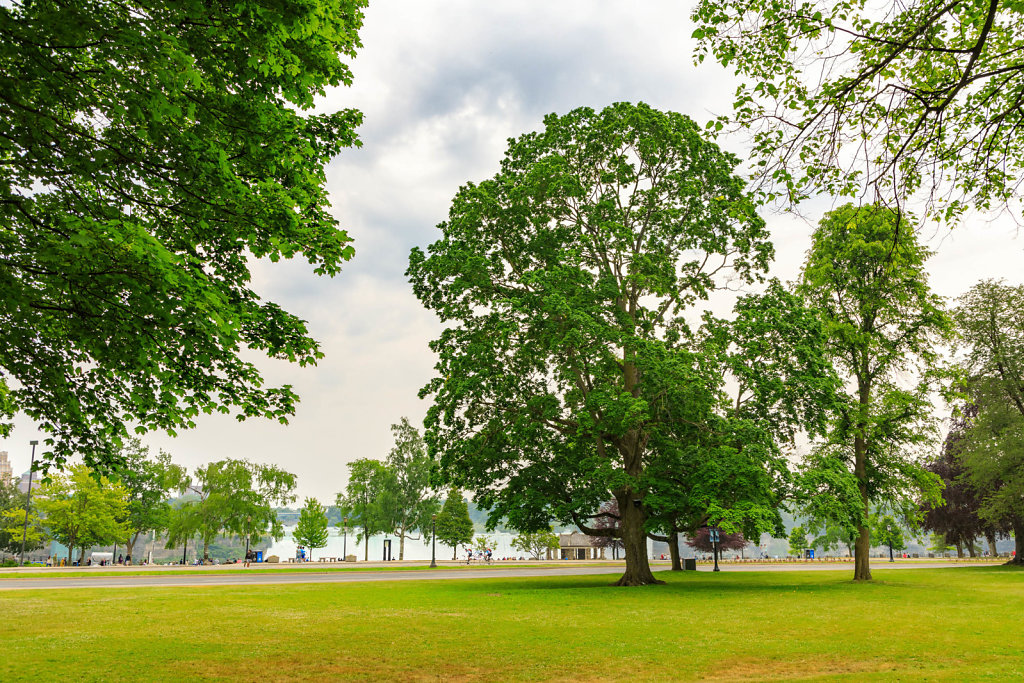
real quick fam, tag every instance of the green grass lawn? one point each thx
(927, 624)
(315, 567)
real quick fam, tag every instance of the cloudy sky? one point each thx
(442, 85)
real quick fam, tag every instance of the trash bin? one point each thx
(690, 564)
(259, 555)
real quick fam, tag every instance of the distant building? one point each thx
(576, 546)
(23, 482)
(5, 467)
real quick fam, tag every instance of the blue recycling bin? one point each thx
(259, 555)
(810, 553)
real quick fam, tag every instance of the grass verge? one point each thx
(928, 624)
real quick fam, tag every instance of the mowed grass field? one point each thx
(927, 624)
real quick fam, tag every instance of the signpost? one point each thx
(713, 532)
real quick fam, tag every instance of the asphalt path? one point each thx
(157, 581)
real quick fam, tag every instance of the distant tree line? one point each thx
(146, 495)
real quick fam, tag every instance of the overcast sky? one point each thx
(442, 85)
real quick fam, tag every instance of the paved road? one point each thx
(114, 581)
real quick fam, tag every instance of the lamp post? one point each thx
(344, 540)
(28, 500)
(888, 529)
(433, 541)
(248, 535)
(713, 532)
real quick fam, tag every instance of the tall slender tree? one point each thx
(865, 274)
(148, 483)
(407, 500)
(361, 501)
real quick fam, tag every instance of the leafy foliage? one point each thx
(311, 530)
(798, 541)
(887, 531)
(453, 525)
(955, 517)
(147, 484)
(407, 500)
(567, 368)
(361, 502)
(82, 509)
(701, 540)
(843, 96)
(14, 531)
(536, 543)
(149, 151)
(236, 497)
(990, 320)
(865, 274)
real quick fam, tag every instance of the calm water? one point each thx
(500, 543)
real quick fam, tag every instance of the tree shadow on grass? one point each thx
(675, 584)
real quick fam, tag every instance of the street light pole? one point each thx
(28, 500)
(344, 541)
(888, 528)
(433, 541)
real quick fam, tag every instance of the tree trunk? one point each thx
(206, 550)
(1018, 536)
(861, 555)
(455, 552)
(129, 545)
(673, 550)
(991, 538)
(862, 546)
(401, 544)
(638, 569)
(970, 548)
(366, 546)
(960, 549)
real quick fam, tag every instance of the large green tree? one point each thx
(235, 497)
(82, 509)
(564, 282)
(407, 500)
(865, 274)
(149, 151)
(990, 323)
(897, 98)
(311, 529)
(148, 483)
(956, 515)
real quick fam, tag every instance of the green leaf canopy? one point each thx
(149, 150)
(564, 282)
